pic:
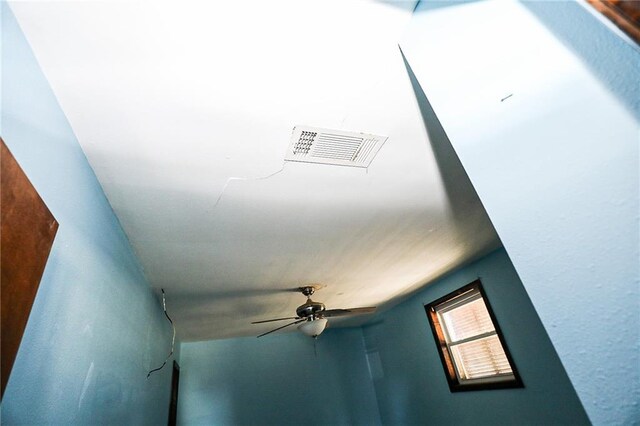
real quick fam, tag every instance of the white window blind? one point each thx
(471, 338)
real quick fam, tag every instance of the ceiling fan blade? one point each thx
(279, 328)
(275, 319)
(330, 313)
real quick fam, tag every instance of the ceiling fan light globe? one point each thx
(313, 328)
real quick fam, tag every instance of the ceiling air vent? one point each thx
(314, 145)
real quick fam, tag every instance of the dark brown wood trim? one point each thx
(28, 229)
(445, 356)
(173, 403)
(624, 13)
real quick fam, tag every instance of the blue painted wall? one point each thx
(277, 380)
(555, 166)
(95, 328)
(409, 378)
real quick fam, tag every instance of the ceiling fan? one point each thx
(312, 316)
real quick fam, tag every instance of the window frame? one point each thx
(621, 14)
(455, 383)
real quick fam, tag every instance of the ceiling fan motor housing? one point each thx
(310, 309)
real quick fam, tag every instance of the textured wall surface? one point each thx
(277, 380)
(540, 102)
(410, 382)
(95, 328)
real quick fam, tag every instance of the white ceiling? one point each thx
(172, 101)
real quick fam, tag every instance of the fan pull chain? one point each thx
(315, 349)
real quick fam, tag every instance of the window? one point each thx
(469, 341)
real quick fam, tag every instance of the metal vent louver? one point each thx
(314, 145)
